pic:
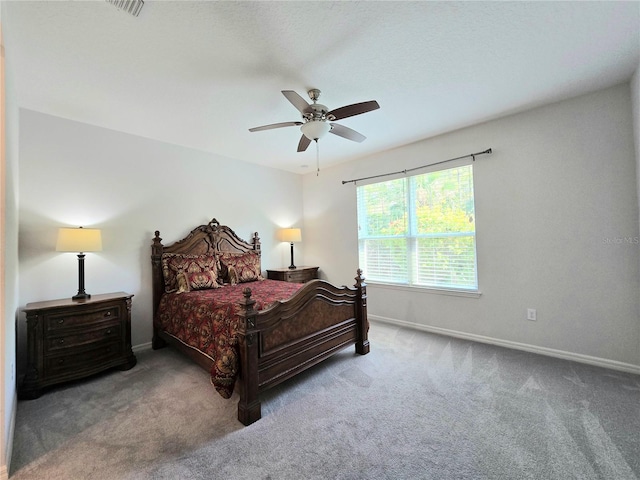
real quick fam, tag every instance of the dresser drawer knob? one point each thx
(108, 314)
(60, 321)
(108, 332)
(61, 341)
(61, 361)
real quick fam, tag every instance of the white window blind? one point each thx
(420, 230)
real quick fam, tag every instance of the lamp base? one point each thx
(81, 295)
(292, 266)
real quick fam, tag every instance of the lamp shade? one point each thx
(291, 235)
(79, 240)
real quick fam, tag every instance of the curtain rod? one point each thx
(472, 155)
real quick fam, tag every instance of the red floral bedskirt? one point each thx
(207, 320)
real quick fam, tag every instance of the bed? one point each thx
(211, 303)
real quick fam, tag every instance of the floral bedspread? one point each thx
(207, 320)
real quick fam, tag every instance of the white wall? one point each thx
(557, 227)
(9, 191)
(74, 174)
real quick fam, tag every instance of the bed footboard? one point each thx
(281, 341)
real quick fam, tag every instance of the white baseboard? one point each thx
(550, 352)
(141, 347)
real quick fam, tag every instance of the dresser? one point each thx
(293, 275)
(68, 340)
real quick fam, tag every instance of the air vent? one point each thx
(132, 7)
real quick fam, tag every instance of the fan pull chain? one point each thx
(317, 159)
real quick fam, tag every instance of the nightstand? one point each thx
(293, 275)
(68, 340)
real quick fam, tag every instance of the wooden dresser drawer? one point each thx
(71, 362)
(82, 317)
(84, 337)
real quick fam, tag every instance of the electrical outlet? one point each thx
(531, 314)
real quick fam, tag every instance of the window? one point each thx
(420, 230)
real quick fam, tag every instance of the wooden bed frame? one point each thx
(281, 341)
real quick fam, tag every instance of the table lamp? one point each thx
(291, 235)
(79, 240)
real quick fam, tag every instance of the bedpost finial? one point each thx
(359, 278)
(157, 240)
(247, 302)
(214, 223)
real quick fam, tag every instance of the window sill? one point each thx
(430, 290)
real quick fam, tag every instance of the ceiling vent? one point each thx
(132, 7)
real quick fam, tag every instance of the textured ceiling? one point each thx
(200, 74)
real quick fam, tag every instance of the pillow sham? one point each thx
(175, 263)
(188, 281)
(246, 266)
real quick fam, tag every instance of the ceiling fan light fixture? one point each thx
(315, 129)
(317, 120)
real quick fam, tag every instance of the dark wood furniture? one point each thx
(294, 275)
(277, 343)
(68, 340)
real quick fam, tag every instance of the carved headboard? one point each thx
(206, 239)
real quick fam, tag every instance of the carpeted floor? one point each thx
(419, 406)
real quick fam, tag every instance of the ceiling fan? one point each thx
(317, 119)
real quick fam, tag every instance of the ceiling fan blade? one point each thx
(304, 143)
(354, 109)
(346, 132)
(300, 103)
(275, 125)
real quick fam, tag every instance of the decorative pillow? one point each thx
(175, 263)
(188, 281)
(232, 275)
(246, 266)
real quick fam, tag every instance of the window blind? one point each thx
(420, 230)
